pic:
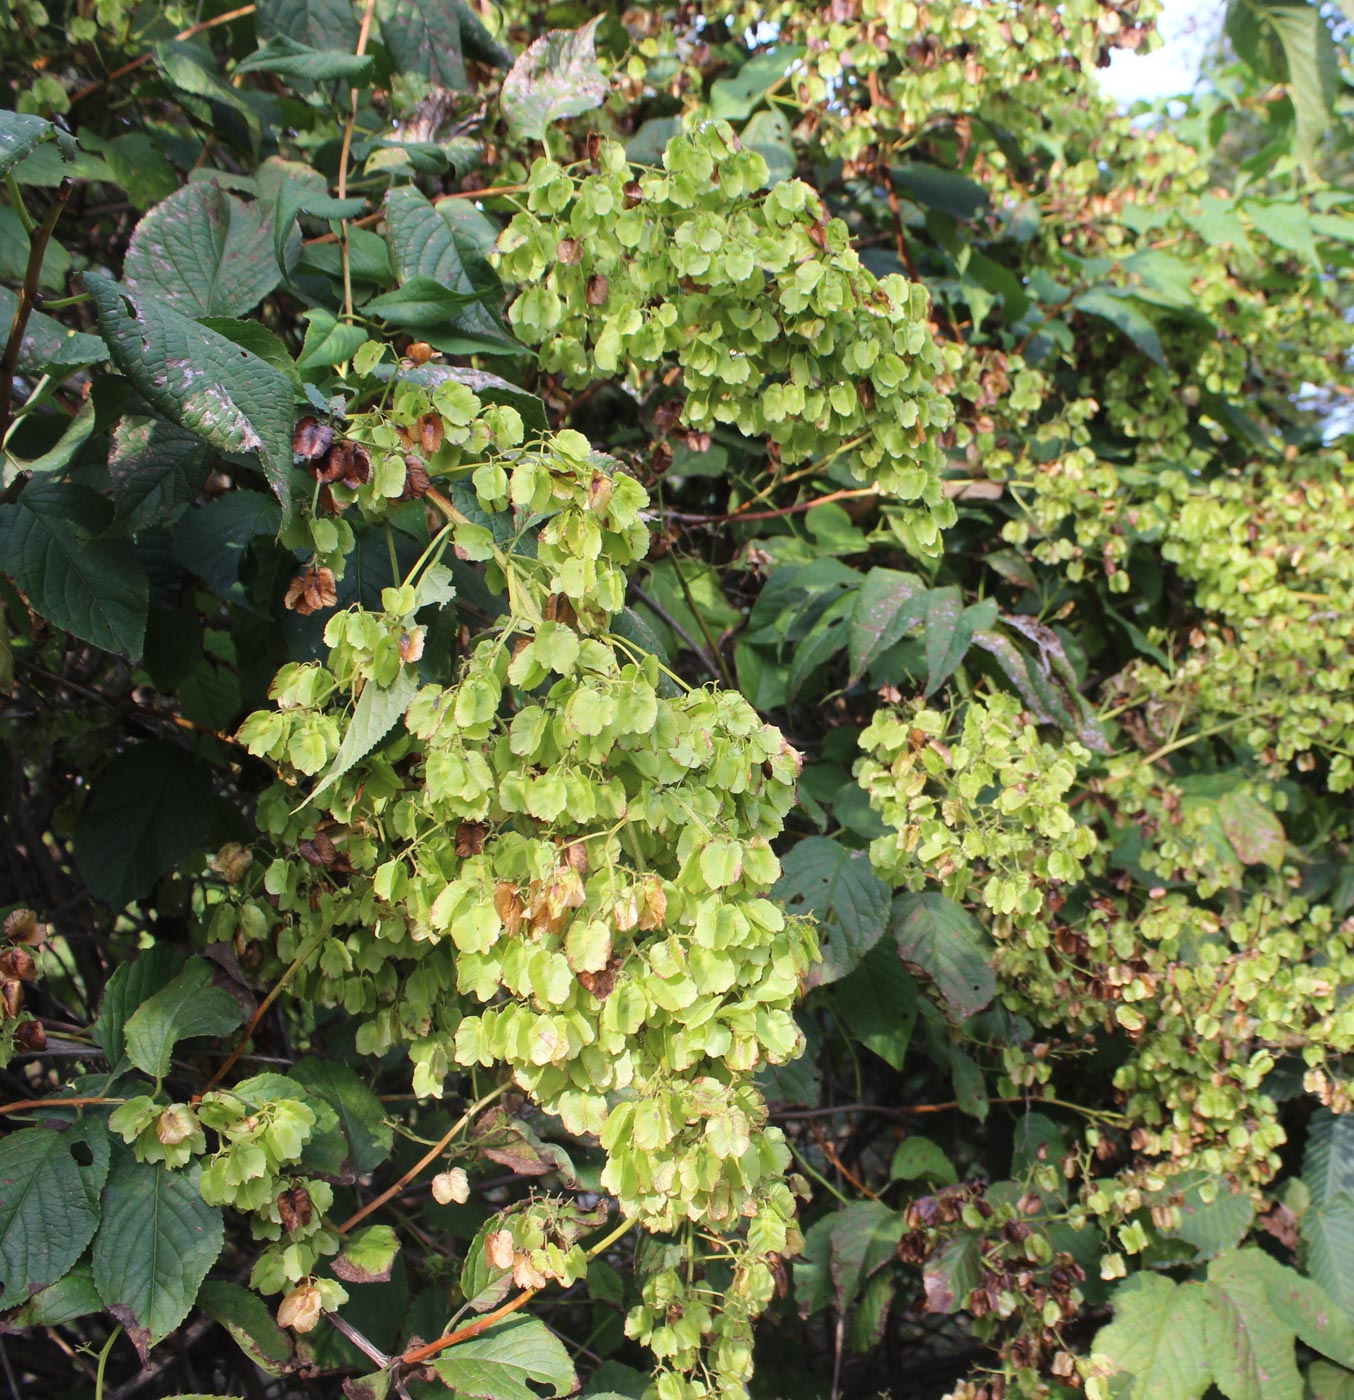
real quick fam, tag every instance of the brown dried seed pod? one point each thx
(310, 591)
(19, 962)
(598, 290)
(294, 1208)
(22, 926)
(417, 482)
(30, 1037)
(311, 439)
(430, 432)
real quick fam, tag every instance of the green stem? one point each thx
(103, 1361)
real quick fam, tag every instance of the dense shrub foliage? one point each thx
(678, 704)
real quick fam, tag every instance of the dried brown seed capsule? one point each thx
(311, 438)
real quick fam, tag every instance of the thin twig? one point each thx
(80, 1101)
(191, 32)
(368, 1348)
(362, 36)
(482, 1324)
(37, 250)
(423, 1162)
(265, 1005)
(692, 644)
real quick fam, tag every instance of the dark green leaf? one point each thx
(157, 470)
(285, 56)
(556, 77)
(329, 341)
(864, 1239)
(426, 241)
(1126, 314)
(945, 941)
(1250, 1347)
(71, 1297)
(952, 1274)
(419, 303)
(376, 713)
(211, 541)
(850, 903)
(248, 1320)
(202, 252)
(127, 988)
(359, 1110)
(889, 605)
(20, 132)
(949, 632)
(945, 190)
(189, 1006)
(156, 1241)
(917, 1157)
(47, 1206)
(321, 24)
(877, 1004)
(427, 37)
(47, 343)
(200, 380)
(150, 807)
(91, 587)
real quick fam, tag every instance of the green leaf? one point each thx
(864, 1239)
(20, 132)
(258, 340)
(285, 56)
(1311, 62)
(945, 190)
(376, 713)
(838, 887)
(732, 99)
(1327, 1382)
(1156, 1339)
(156, 469)
(320, 24)
(200, 380)
(917, 1157)
(248, 1320)
(431, 36)
(949, 1277)
(1287, 225)
(202, 252)
(213, 102)
(71, 1297)
(1216, 1226)
(150, 807)
(950, 628)
(189, 1006)
(47, 1204)
(419, 303)
(557, 77)
(92, 587)
(498, 1364)
(943, 940)
(76, 433)
(368, 1255)
(1327, 1226)
(491, 388)
(1301, 1305)
(329, 341)
(888, 606)
(211, 541)
(877, 1004)
(1250, 1349)
(127, 988)
(768, 133)
(1255, 833)
(1126, 314)
(429, 241)
(360, 1114)
(156, 1241)
(47, 343)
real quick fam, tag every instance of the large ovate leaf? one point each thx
(156, 1241)
(250, 1323)
(556, 77)
(431, 37)
(427, 241)
(864, 1239)
(1249, 1346)
(128, 987)
(1155, 1340)
(888, 606)
(1127, 315)
(198, 379)
(48, 1204)
(1327, 1225)
(945, 941)
(204, 253)
(498, 1364)
(52, 546)
(150, 807)
(212, 540)
(877, 1004)
(189, 1006)
(286, 57)
(320, 24)
(850, 903)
